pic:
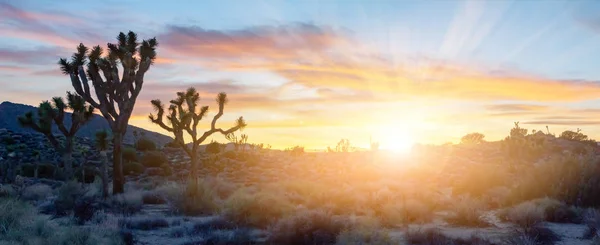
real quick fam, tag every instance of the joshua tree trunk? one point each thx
(104, 174)
(68, 158)
(118, 181)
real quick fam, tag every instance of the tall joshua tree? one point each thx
(115, 93)
(54, 112)
(184, 116)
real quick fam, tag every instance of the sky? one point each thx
(313, 72)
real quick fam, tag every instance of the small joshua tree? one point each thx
(184, 116)
(237, 142)
(102, 146)
(54, 112)
(115, 93)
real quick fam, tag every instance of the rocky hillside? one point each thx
(10, 111)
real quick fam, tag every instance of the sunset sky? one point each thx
(312, 72)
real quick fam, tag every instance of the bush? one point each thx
(467, 212)
(154, 159)
(431, 236)
(14, 214)
(84, 209)
(545, 209)
(128, 203)
(129, 154)
(67, 195)
(45, 170)
(307, 227)
(143, 223)
(592, 221)
(133, 168)
(7, 191)
(536, 233)
(145, 144)
(364, 237)
(152, 197)
(37, 192)
(258, 209)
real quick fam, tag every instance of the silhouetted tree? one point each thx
(54, 113)
(237, 142)
(184, 116)
(115, 93)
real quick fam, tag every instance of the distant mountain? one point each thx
(10, 111)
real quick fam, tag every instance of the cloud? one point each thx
(515, 107)
(321, 57)
(265, 42)
(566, 122)
(41, 55)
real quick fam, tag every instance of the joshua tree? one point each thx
(238, 142)
(343, 145)
(102, 146)
(184, 116)
(54, 112)
(115, 93)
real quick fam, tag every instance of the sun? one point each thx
(395, 139)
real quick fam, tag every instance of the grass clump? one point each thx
(356, 236)
(307, 227)
(467, 212)
(259, 209)
(37, 192)
(127, 203)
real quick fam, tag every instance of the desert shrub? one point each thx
(172, 144)
(307, 227)
(258, 209)
(416, 211)
(84, 209)
(536, 233)
(213, 147)
(364, 237)
(154, 159)
(467, 212)
(14, 214)
(127, 203)
(7, 191)
(145, 144)
(472, 138)
(67, 195)
(432, 236)
(152, 197)
(206, 198)
(390, 215)
(129, 155)
(167, 170)
(143, 223)
(36, 192)
(545, 209)
(592, 222)
(525, 214)
(477, 180)
(427, 237)
(75, 236)
(296, 150)
(133, 168)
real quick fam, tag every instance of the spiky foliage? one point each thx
(343, 146)
(237, 142)
(102, 145)
(115, 94)
(184, 116)
(50, 113)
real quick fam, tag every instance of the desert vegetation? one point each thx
(529, 188)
